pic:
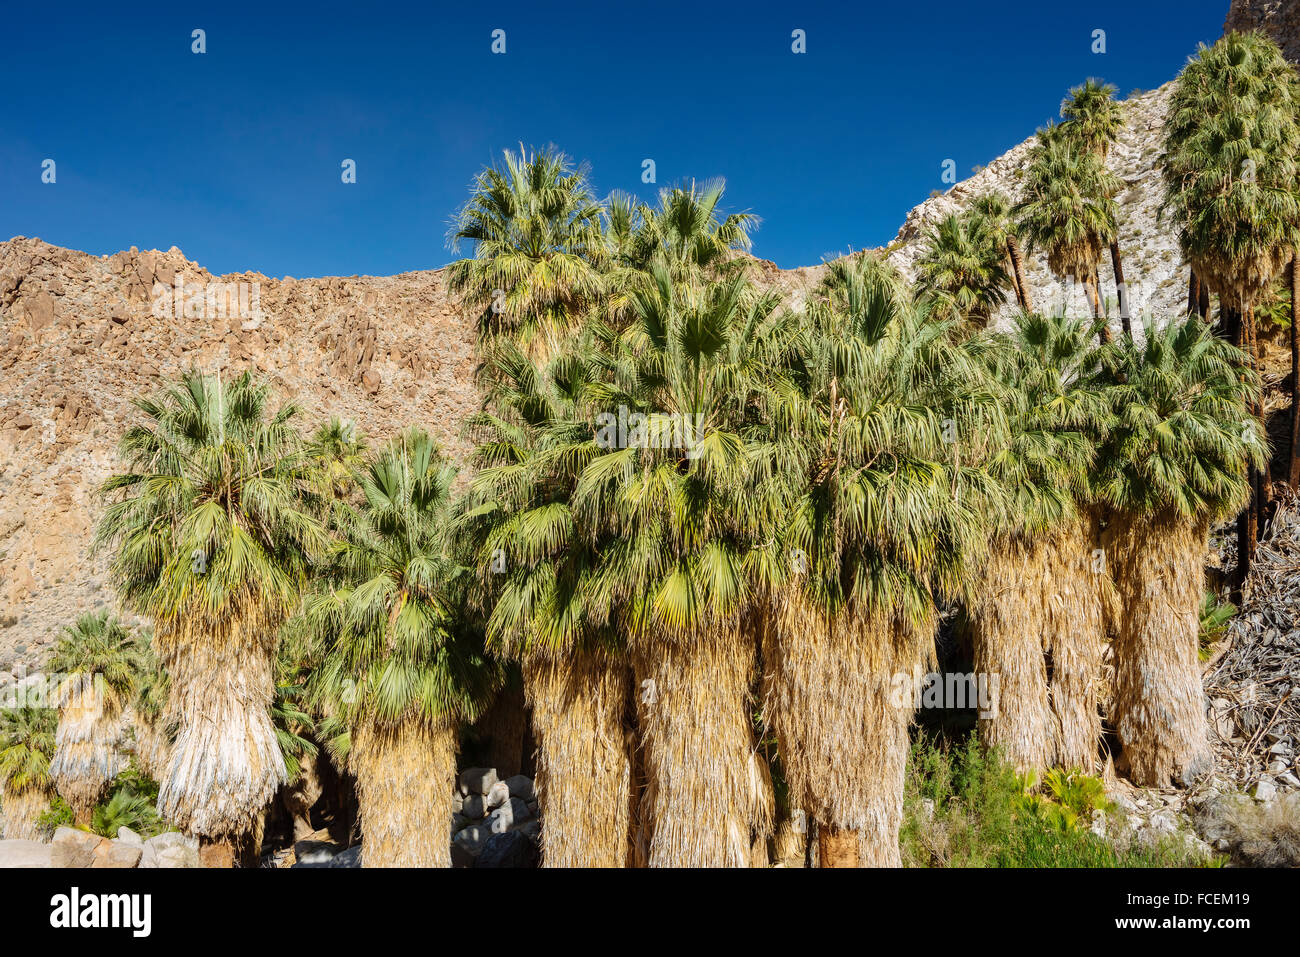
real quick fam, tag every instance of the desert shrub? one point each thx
(1256, 835)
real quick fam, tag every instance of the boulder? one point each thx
(128, 836)
(473, 807)
(501, 820)
(477, 780)
(118, 855)
(17, 853)
(512, 849)
(351, 857)
(497, 796)
(471, 839)
(315, 853)
(521, 786)
(74, 848)
(519, 810)
(172, 849)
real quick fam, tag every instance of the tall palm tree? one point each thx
(1093, 120)
(537, 562)
(994, 212)
(26, 788)
(884, 517)
(152, 743)
(210, 538)
(1293, 469)
(400, 671)
(1175, 461)
(101, 664)
(535, 228)
(678, 498)
(1068, 210)
(1038, 593)
(1232, 183)
(963, 268)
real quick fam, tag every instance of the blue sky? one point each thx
(234, 155)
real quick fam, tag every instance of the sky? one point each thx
(236, 154)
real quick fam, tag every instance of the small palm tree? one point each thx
(963, 268)
(535, 229)
(100, 661)
(1093, 120)
(152, 737)
(994, 214)
(399, 671)
(1068, 210)
(26, 788)
(1174, 462)
(210, 537)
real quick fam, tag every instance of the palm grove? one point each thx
(696, 515)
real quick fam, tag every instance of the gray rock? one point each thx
(472, 838)
(456, 801)
(1264, 790)
(172, 849)
(347, 858)
(317, 853)
(498, 796)
(501, 820)
(128, 836)
(512, 849)
(519, 810)
(477, 780)
(473, 807)
(458, 821)
(18, 853)
(521, 786)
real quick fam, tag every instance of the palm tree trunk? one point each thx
(86, 756)
(1194, 295)
(706, 800)
(1094, 292)
(405, 775)
(21, 810)
(1203, 301)
(1010, 624)
(1158, 707)
(1121, 290)
(836, 847)
(583, 766)
(1080, 599)
(226, 764)
(830, 691)
(1018, 274)
(1293, 465)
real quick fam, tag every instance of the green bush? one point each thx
(965, 807)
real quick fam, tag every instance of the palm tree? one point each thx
(26, 788)
(535, 228)
(1039, 593)
(400, 671)
(884, 518)
(210, 538)
(963, 268)
(1232, 184)
(537, 563)
(1068, 210)
(100, 661)
(994, 212)
(1093, 120)
(1175, 461)
(1293, 470)
(334, 454)
(678, 499)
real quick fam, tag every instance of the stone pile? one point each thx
(77, 849)
(494, 823)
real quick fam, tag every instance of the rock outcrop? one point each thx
(1280, 19)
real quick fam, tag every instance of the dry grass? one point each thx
(87, 752)
(1159, 704)
(708, 796)
(225, 765)
(20, 812)
(152, 747)
(405, 775)
(829, 692)
(583, 771)
(1257, 835)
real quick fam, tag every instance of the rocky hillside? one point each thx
(1280, 19)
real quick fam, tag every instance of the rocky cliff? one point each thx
(1280, 19)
